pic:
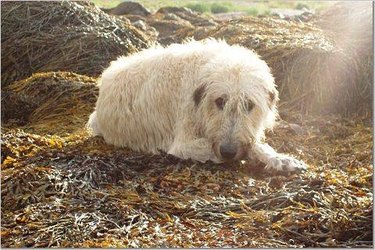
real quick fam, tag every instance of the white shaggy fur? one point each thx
(201, 100)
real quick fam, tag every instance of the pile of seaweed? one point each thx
(62, 189)
(44, 99)
(321, 66)
(350, 24)
(313, 73)
(38, 36)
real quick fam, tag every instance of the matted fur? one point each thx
(201, 100)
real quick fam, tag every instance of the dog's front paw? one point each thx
(201, 155)
(284, 163)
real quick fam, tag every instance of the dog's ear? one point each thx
(199, 94)
(273, 97)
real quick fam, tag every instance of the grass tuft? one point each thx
(219, 8)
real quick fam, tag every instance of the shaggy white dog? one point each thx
(200, 100)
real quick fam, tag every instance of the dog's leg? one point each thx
(93, 124)
(275, 161)
(196, 149)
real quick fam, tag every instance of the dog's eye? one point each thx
(249, 105)
(220, 103)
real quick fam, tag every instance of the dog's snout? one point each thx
(228, 151)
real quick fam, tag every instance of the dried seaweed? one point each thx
(39, 36)
(72, 190)
(61, 187)
(45, 98)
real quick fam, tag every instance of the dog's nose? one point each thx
(228, 151)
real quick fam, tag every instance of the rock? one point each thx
(296, 129)
(140, 25)
(194, 18)
(126, 8)
(303, 15)
(134, 18)
(166, 10)
(171, 16)
(229, 16)
(170, 22)
(167, 28)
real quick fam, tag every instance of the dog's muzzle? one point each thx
(228, 151)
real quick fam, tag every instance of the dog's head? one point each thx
(234, 104)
